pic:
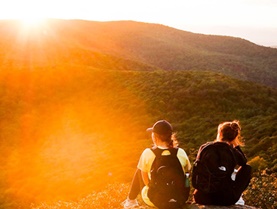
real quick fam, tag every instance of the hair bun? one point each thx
(235, 126)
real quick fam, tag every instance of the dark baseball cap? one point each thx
(161, 127)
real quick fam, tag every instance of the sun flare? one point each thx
(32, 21)
(30, 13)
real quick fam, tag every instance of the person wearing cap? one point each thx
(163, 138)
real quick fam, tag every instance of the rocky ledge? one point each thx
(196, 206)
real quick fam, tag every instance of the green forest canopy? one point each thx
(64, 130)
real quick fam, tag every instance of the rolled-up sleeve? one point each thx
(146, 159)
(184, 160)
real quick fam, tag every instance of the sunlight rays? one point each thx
(30, 22)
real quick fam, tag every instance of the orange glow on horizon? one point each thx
(32, 22)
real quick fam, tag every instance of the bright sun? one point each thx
(31, 22)
(30, 13)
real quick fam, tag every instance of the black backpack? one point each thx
(213, 167)
(169, 186)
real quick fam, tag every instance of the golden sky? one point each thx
(254, 20)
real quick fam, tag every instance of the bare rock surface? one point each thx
(195, 206)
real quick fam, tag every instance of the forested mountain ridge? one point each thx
(150, 45)
(77, 96)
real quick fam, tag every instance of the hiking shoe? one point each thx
(240, 201)
(130, 203)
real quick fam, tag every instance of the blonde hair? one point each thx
(230, 131)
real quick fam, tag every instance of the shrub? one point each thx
(258, 163)
(262, 191)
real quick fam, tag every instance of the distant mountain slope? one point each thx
(151, 44)
(48, 47)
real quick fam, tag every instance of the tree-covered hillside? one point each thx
(77, 96)
(156, 46)
(66, 132)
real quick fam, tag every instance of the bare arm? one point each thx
(145, 177)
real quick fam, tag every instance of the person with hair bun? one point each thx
(228, 133)
(163, 139)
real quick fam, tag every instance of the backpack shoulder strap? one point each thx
(173, 151)
(204, 146)
(158, 152)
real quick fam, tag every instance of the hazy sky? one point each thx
(254, 20)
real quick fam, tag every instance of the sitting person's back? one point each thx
(160, 176)
(213, 168)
